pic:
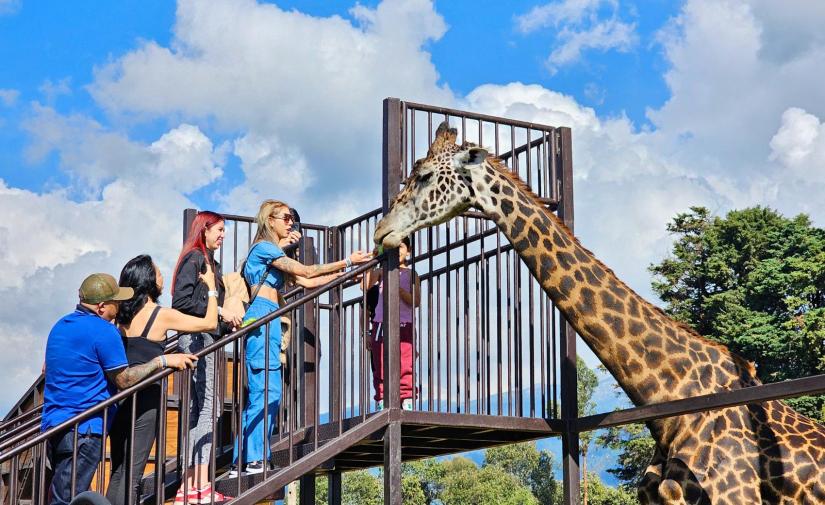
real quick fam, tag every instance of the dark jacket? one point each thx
(190, 293)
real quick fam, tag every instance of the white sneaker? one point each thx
(379, 405)
(255, 467)
(407, 404)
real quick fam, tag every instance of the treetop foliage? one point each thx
(753, 280)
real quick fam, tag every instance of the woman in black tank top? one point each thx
(144, 324)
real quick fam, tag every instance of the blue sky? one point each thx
(52, 49)
(115, 116)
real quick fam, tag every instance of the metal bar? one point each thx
(569, 404)
(74, 462)
(392, 464)
(705, 403)
(335, 492)
(472, 115)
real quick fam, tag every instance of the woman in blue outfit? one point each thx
(274, 221)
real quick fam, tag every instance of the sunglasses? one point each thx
(287, 218)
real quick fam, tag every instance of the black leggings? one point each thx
(146, 424)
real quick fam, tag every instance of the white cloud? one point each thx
(579, 25)
(799, 145)
(610, 34)
(49, 243)
(268, 167)
(183, 158)
(9, 96)
(305, 119)
(238, 65)
(735, 71)
(555, 13)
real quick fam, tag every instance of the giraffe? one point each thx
(765, 453)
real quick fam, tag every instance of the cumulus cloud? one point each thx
(579, 25)
(125, 199)
(49, 243)
(736, 68)
(183, 158)
(799, 144)
(237, 64)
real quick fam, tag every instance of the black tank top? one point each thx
(140, 350)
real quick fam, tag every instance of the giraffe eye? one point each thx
(424, 177)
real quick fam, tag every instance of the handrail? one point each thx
(148, 381)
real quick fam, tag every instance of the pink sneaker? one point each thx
(192, 497)
(207, 495)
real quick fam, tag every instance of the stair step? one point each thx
(229, 485)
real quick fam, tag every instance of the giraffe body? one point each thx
(765, 453)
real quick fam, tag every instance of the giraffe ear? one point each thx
(476, 156)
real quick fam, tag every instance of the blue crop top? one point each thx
(260, 256)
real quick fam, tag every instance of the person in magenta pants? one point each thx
(410, 298)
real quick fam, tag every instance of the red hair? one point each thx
(195, 240)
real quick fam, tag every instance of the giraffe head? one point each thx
(438, 188)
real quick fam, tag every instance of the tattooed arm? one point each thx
(129, 376)
(290, 266)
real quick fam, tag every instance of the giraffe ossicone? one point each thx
(765, 453)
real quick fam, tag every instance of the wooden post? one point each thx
(391, 181)
(567, 342)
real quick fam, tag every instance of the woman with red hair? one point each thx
(190, 295)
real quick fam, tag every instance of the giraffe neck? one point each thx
(651, 356)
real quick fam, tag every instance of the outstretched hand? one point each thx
(359, 257)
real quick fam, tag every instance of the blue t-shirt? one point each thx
(81, 348)
(260, 256)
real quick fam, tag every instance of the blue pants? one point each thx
(60, 455)
(256, 443)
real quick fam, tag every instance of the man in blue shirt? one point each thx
(85, 364)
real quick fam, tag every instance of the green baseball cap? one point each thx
(98, 288)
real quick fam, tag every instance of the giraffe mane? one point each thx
(513, 177)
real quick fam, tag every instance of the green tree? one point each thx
(428, 474)
(519, 460)
(361, 488)
(533, 468)
(602, 494)
(636, 448)
(411, 492)
(357, 488)
(587, 382)
(466, 484)
(754, 281)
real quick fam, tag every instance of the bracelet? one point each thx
(212, 293)
(162, 361)
(348, 262)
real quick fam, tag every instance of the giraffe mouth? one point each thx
(387, 237)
